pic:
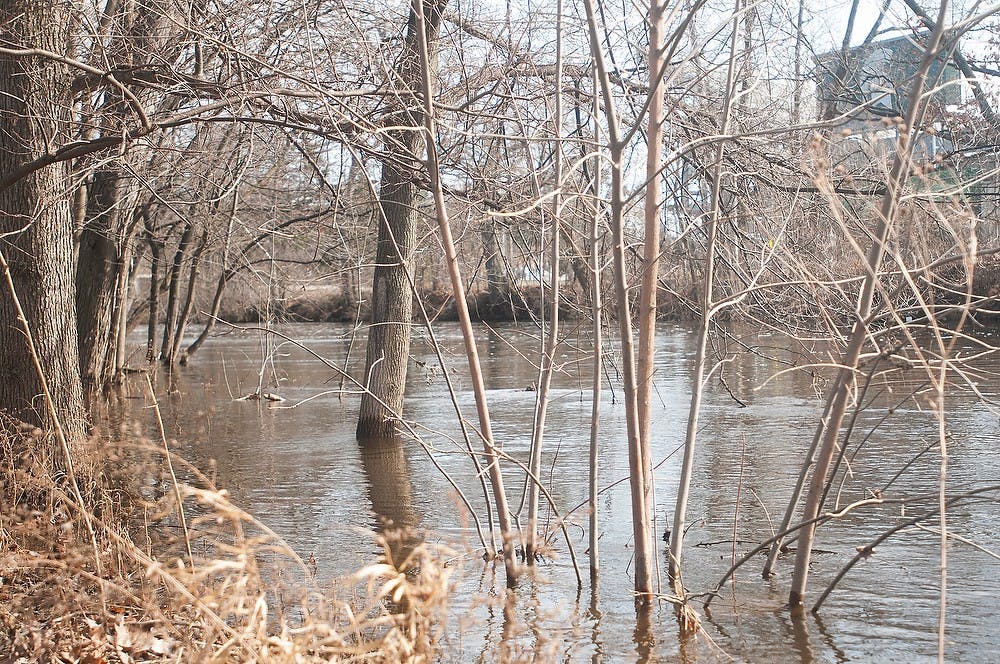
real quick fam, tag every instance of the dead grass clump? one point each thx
(214, 586)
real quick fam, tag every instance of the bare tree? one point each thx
(840, 391)
(388, 350)
(458, 290)
(36, 234)
(708, 309)
(641, 512)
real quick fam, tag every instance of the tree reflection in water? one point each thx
(390, 491)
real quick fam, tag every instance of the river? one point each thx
(296, 465)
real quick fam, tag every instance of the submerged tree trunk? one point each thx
(388, 347)
(126, 284)
(173, 293)
(155, 264)
(597, 311)
(551, 340)
(425, 73)
(499, 293)
(36, 231)
(840, 392)
(651, 239)
(185, 313)
(105, 251)
(642, 526)
(102, 267)
(704, 327)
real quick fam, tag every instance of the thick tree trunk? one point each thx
(392, 298)
(36, 232)
(392, 303)
(498, 288)
(102, 267)
(106, 241)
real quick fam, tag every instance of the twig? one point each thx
(866, 551)
(170, 469)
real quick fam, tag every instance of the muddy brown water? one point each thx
(297, 466)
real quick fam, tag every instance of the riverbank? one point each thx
(947, 292)
(331, 305)
(107, 569)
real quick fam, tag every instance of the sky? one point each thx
(829, 19)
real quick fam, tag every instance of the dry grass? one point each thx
(132, 592)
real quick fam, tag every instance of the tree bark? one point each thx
(173, 292)
(651, 238)
(499, 295)
(388, 346)
(155, 261)
(101, 268)
(105, 252)
(36, 232)
(185, 314)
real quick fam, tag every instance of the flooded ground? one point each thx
(297, 466)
